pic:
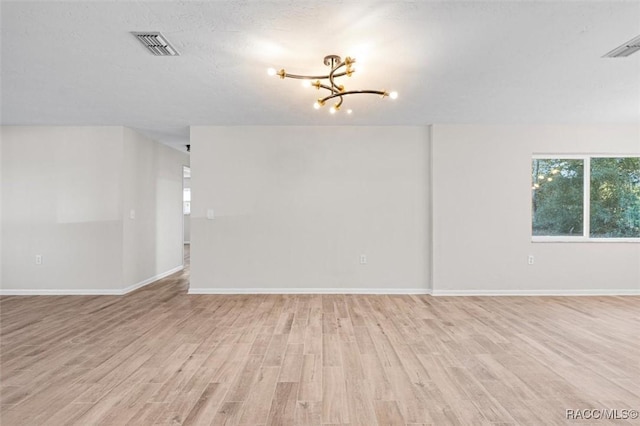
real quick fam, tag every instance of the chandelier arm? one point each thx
(324, 86)
(355, 92)
(312, 77)
(332, 75)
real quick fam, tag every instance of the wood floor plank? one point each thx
(361, 408)
(308, 413)
(283, 406)
(234, 358)
(331, 356)
(145, 414)
(242, 384)
(311, 379)
(260, 396)
(379, 385)
(126, 406)
(388, 413)
(228, 414)
(275, 352)
(207, 405)
(292, 365)
(334, 407)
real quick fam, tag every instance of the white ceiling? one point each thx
(76, 63)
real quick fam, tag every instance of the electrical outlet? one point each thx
(531, 259)
(38, 259)
(363, 259)
(132, 214)
(210, 214)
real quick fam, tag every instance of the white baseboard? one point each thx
(152, 279)
(60, 292)
(511, 292)
(309, 291)
(87, 291)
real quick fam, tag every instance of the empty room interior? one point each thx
(320, 213)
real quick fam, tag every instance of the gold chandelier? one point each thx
(336, 91)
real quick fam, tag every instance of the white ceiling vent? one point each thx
(626, 49)
(156, 43)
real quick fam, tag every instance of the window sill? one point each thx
(583, 240)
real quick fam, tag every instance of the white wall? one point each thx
(482, 213)
(152, 188)
(67, 192)
(61, 199)
(295, 207)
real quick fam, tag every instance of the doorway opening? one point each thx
(186, 215)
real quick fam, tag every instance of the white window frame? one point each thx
(586, 201)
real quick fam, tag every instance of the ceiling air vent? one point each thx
(156, 43)
(626, 49)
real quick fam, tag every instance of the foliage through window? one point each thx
(586, 196)
(557, 197)
(615, 197)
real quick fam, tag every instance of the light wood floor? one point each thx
(160, 356)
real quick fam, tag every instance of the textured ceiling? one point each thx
(76, 63)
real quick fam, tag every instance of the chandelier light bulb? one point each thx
(349, 111)
(306, 83)
(271, 71)
(316, 105)
(332, 110)
(393, 95)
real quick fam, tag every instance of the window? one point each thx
(615, 197)
(558, 197)
(578, 198)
